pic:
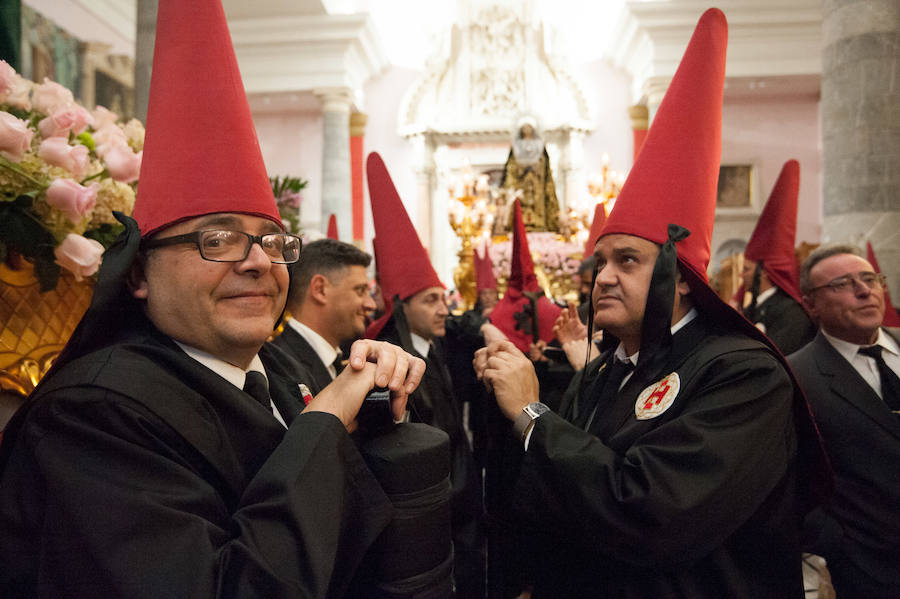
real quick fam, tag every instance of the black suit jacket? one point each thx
(315, 373)
(858, 532)
(786, 322)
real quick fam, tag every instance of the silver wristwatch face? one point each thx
(535, 409)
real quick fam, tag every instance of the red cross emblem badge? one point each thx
(656, 399)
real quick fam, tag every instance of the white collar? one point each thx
(620, 350)
(326, 352)
(231, 373)
(764, 295)
(421, 344)
(849, 350)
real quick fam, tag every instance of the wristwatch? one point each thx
(525, 421)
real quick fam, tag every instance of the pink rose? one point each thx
(19, 95)
(15, 137)
(79, 255)
(107, 137)
(103, 116)
(7, 77)
(123, 164)
(56, 151)
(73, 118)
(49, 96)
(73, 200)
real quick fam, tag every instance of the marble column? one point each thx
(860, 112)
(145, 40)
(357, 136)
(571, 187)
(336, 186)
(655, 90)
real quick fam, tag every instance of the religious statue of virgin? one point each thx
(528, 170)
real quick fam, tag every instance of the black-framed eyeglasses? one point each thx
(223, 245)
(871, 280)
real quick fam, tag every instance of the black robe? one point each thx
(699, 501)
(138, 472)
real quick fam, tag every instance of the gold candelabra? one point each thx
(471, 216)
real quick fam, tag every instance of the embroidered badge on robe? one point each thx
(656, 399)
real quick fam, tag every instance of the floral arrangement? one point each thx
(288, 198)
(557, 257)
(63, 171)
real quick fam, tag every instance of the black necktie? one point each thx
(255, 386)
(890, 384)
(338, 363)
(595, 399)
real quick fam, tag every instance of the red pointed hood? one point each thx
(508, 314)
(521, 268)
(201, 155)
(891, 317)
(484, 271)
(772, 241)
(332, 228)
(375, 327)
(674, 179)
(596, 227)
(404, 267)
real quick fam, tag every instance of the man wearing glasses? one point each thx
(166, 453)
(849, 373)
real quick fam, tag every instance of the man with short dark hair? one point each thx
(849, 373)
(328, 304)
(166, 454)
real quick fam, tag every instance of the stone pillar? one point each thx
(655, 90)
(640, 122)
(860, 112)
(336, 187)
(145, 41)
(431, 221)
(573, 191)
(357, 132)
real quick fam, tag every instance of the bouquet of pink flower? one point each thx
(63, 171)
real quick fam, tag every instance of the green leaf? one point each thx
(20, 231)
(106, 234)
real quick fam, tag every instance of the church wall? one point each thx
(383, 95)
(766, 132)
(291, 144)
(607, 91)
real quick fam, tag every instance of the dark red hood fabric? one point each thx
(891, 317)
(509, 315)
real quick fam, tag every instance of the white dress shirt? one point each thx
(326, 352)
(231, 373)
(865, 365)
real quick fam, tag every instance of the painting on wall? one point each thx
(735, 186)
